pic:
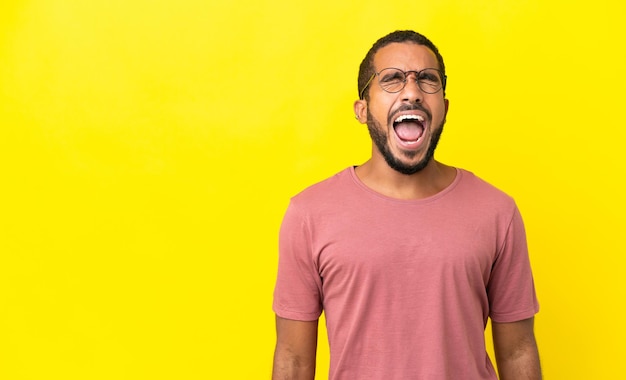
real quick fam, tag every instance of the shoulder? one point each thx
(324, 199)
(481, 193)
(325, 190)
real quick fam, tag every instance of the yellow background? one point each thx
(148, 150)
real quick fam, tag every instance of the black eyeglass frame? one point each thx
(406, 75)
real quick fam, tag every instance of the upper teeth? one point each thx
(409, 117)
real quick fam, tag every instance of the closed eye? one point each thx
(428, 77)
(392, 77)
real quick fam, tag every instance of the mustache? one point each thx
(409, 107)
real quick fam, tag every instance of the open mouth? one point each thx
(409, 128)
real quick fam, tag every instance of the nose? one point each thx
(411, 91)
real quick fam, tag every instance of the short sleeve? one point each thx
(297, 294)
(511, 289)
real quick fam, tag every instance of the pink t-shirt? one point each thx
(406, 285)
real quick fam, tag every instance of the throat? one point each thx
(434, 179)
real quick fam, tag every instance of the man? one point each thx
(406, 256)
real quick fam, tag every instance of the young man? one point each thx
(406, 256)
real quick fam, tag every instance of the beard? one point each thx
(381, 140)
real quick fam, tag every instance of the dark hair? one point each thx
(366, 70)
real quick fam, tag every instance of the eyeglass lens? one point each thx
(394, 80)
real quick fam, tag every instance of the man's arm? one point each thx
(296, 346)
(516, 350)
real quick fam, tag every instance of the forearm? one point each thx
(288, 366)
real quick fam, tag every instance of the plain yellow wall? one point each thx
(148, 150)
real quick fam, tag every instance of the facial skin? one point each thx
(382, 108)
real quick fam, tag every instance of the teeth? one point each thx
(409, 117)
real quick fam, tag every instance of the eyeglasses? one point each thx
(393, 80)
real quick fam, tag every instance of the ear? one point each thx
(360, 111)
(447, 104)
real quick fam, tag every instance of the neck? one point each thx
(427, 182)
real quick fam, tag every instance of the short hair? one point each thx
(366, 70)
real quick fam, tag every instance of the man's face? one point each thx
(405, 126)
